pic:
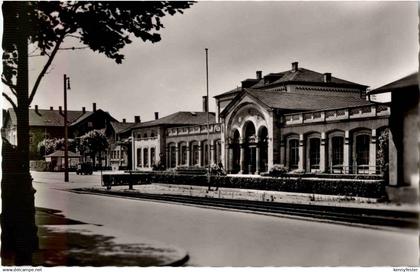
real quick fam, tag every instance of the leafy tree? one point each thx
(104, 27)
(92, 143)
(48, 146)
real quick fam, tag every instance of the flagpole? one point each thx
(208, 120)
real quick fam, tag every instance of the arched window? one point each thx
(205, 153)
(183, 154)
(337, 147)
(314, 152)
(293, 154)
(145, 157)
(152, 156)
(172, 156)
(139, 157)
(362, 149)
(194, 153)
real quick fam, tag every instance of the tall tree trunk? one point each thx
(19, 231)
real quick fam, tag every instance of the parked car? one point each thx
(84, 168)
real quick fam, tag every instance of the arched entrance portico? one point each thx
(236, 152)
(249, 146)
(249, 149)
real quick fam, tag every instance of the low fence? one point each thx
(328, 185)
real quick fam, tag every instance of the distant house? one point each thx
(96, 119)
(405, 139)
(119, 139)
(49, 123)
(43, 124)
(56, 160)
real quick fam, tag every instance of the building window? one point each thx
(362, 149)
(314, 152)
(293, 154)
(183, 155)
(218, 152)
(152, 156)
(337, 146)
(139, 157)
(146, 157)
(145, 135)
(205, 148)
(195, 154)
(172, 156)
(90, 124)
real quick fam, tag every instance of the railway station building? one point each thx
(299, 119)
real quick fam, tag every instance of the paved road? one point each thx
(229, 238)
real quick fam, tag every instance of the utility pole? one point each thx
(208, 121)
(66, 147)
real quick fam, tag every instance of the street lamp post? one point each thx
(208, 121)
(66, 147)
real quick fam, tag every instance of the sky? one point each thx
(371, 43)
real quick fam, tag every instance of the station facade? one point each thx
(299, 119)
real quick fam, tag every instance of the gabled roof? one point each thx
(48, 118)
(179, 118)
(236, 90)
(89, 114)
(297, 101)
(60, 153)
(410, 81)
(300, 76)
(303, 75)
(119, 127)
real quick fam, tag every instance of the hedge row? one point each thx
(365, 188)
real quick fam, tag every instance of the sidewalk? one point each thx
(268, 196)
(66, 242)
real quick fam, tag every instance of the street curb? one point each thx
(296, 217)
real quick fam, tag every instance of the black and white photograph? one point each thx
(222, 134)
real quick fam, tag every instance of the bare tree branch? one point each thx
(8, 83)
(10, 101)
(46, 66)
(74, 36)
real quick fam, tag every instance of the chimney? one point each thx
(137, 119)
(84, 110)
(36, 108)
(295, 66)
(94, 107)
(156, 115)
(259, 75)
(51, 108)
(60, 109)
(124, 121)
(327, 77)
(205, 104)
